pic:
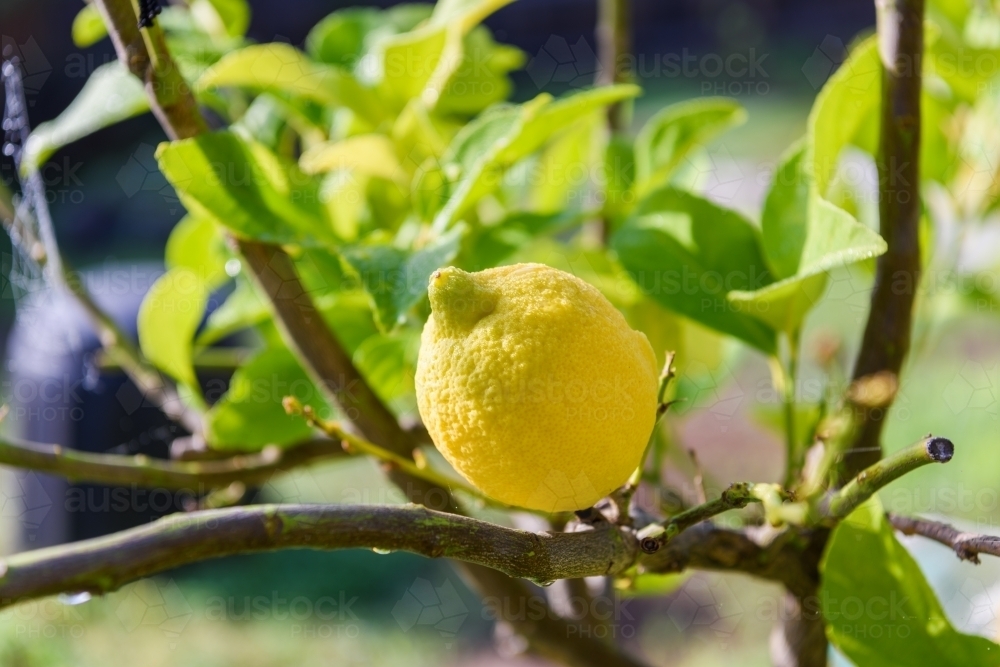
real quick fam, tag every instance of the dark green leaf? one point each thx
(395, 278)
(688, 253)
(250, 415)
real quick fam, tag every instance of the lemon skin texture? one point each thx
(533, 386)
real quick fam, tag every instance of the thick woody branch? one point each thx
(763, 553)
(887, 333)
(967, 546)
(104, 564)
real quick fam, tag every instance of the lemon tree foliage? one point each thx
(880, 610)
(387, 146)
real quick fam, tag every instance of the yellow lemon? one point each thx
(533, 386)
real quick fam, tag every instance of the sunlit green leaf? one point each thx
(168, 318)
(388, 363)
(482, 77)
(396, 279)
(845, 113)
(282, 68)
(670, 136)
(488, 146)
(804, 236)
(110, 95)
(345, 36)
(197, 244)
(489, 246)
(242, 185)
(242, 309)
(88, 27)
(878, 607)
(226, 17)
(371, 154)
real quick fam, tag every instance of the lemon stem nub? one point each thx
(458, 299)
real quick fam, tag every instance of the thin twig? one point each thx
(866, 483)
(353, 444)
(653, 537)
(144, 471)
(967, 546)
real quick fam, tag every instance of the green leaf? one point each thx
(805, 234)
(345, 36)
(388, 363)
(245, 187)
(619, 178)
(396, 279)
(197, 244)
(489, 246)
(687, 253)
(804, 237)
(349, 315)
(250, 416)
(878, 607)
(482, 77)
(281, 68)
(845, 113)
(370, 154)
(669, 136)
(488, 146)
(88, 27)
(419, 65)
(168, 318)
(110, 95)
(782, 305)
(649, 584)
(225, 17)
(540, 126)
(466, 13)
(558, 179)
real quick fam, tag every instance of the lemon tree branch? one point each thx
(967, 546)
(144, 471)
(863, 486)
(104, 564)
